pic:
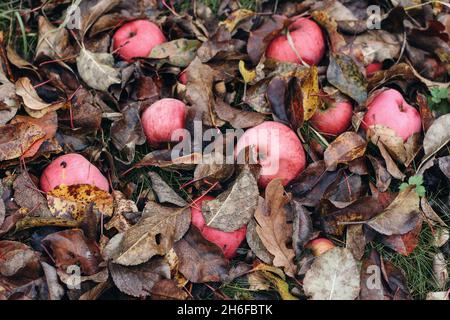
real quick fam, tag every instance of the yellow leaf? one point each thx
(236, 17)
(73, 201)
(310, 92)
(280, 285)
(247, 75)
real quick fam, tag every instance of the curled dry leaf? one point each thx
(383, 178)
(199, 260)
(17, 259)
(273, 229)
(400, 216)
(70, 247)
(333, 276)
(73, 201)
(52, 42)
(34, 105)
(153, 235)
(138, 281)
(27, 195)
(302, 227)
(235, 207)
(255, 243)
(91, 11)
(345, 148)
(96, 69)
(437, 136)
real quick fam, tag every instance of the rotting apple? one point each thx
(373, 67)
(319, 246)
(308, 41)
(137, 39)
(162, 119)
(334, 116)
(71, 169)
(388, 108)
(227, 241)
(280, 152)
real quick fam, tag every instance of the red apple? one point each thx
(319, 246)
(308, 40)
(227, 241)
(183, 77)
(389, 108)
(137, 39)
(161, 120)
(334, 116)
(373, 67)
(280, 152)
(72, 169)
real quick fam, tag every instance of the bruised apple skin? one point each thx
(71, 169)
(308, 40)
(280, 152)
(227, 241)
(389, 108)
(162, 119)
(137, 39)
(334, 117)
(319, 246)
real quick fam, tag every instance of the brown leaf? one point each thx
(73, 201)
(70, 247)
(345, 148)
(437, 136)
(199, 260)
(400, 216)
(138, 281)
(52, 42)
(179, 52)
(154, 234)
(309, 89)
(27, 195)
(18, 260)
(404, 243)
(17, 138)
(235, 207)
(302, 227)
(9, 101)
(272, 226)
(164, 192)
(372, 284)
(92, 10)
(34, 105)
(260, 38)
(213, 168)
(255, 243)
(167, 289)
(383, 178)
(239, 119)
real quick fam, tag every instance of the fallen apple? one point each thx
(389, 108)
(162, 119)
(373, 67)
(319, 246)
(183, 77)
(137, 39)
(280, 152)
(308, 41)
(71, 169)
(227, 241)
(334, 116)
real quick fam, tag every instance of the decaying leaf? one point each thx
(164, 192)
(17, 138)
(333, 276)
(272, 226)
(239, 119)
(178, 52)
(27, 196)
(235, 207)
(73, 201)
(153, 235)
(199, 260)
(400, 216)
(437, 136)
(347, 147)
(96, 69)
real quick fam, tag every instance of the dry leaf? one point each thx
(437, 136)
(345, 148)
(272, 226)
(333, 276)
(235, 207)
(164, 192)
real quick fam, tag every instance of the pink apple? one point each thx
(280, 152)
(334, 117)
(162, 119)
(389, 108)
(71, 169)
(137, 39)
(373, 67)
(227, 241)
(308, 40)
(319, 246)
